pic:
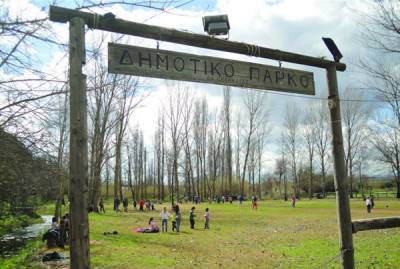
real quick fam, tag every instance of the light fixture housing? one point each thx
(330, 44)
(216, 25)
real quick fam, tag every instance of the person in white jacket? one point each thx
(368, 203)
(164, 219)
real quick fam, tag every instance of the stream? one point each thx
(11, 243)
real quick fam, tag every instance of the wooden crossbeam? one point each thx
(374, 224)
(112, 24)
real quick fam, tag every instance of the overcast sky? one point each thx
(290, 25)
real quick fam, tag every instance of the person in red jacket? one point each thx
(141, 204)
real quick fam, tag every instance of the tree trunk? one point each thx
(310, 187)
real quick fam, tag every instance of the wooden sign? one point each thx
(145, 62)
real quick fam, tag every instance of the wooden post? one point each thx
(374, 224)
(78, 190)
(341, 184)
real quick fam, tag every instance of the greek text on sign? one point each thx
(139, 61)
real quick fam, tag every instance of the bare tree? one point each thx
(292, 131)
(238, 136)
(227, 137)
(23, 85)
(380, 31)
(261, 136)
(188, 148)
(200, 139)
(215, 142)
(322, 139)
(160, 155)
(178, 96)
(354, 118)
(128, 89)
(62, 123)
(386, 140)
(254, 103)
(281, 167)
(102, 90)
(310, 137)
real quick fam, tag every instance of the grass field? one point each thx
(274, 236)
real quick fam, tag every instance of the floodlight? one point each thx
(216, 25)
(330, 44)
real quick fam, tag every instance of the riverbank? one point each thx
(31, 257)
(21, 259)
(22, 243)
(9, 223)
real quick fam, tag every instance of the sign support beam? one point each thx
(111, 24)
(341, 184)
(78, 176)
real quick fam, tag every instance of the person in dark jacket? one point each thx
(101, 206)
(191, 217)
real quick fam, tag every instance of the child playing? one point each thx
(207, 219)
(164, 219)
(191, 217)
(254, 203)
(152, 227)
(293, 201)
(173, 219)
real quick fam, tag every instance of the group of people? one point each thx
(176, 218)
(222, 199)
(117, 203)
(143, 205)
(58, 234)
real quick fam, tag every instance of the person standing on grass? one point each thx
(207, 219)
(164, 219)
(134, 204)
(54, 223)
(125, 204)
(63, 232)
(116, 204)
(173, 219)
(372, 202)
(178, 218)
(241, 200)
(66, 220)
(141, 204)
(191, 217)
(254, 203)
(368, 204)
(101, 206)
(293, 201)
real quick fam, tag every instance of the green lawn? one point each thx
(274, 236)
